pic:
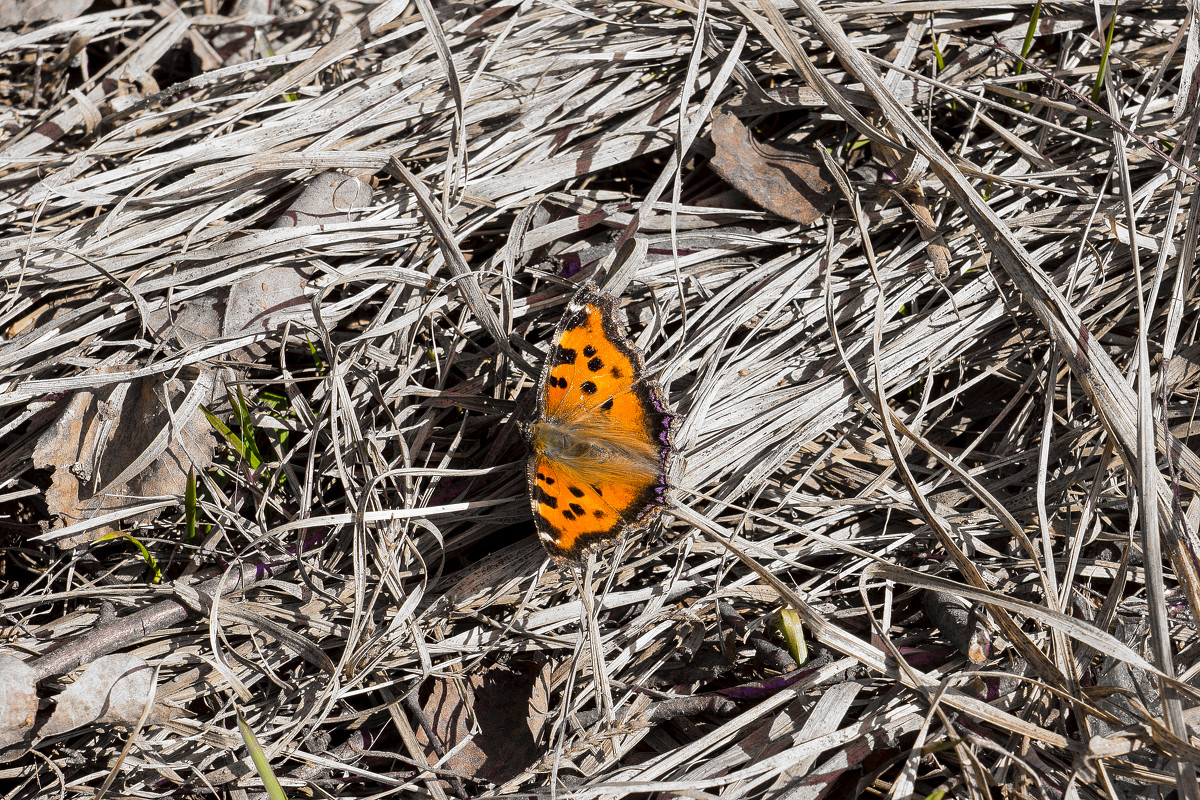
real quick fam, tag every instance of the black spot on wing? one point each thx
(577, 509)
(546, 499)
(547, 528)
(589, 351)
(595, 365)
(563, 355)
(587, 387)
(575, 490)
(607, 405)
(616, 372)
(570, 517)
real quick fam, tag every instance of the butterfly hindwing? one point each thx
(572, 513)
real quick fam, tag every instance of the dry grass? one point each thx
(866, 445)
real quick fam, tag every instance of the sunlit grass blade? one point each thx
(241, 411)
(1027, 44)
(189, 506)
(792, 629)
(232, 439)
(147, 556)
(1108, 40)
(270, 782)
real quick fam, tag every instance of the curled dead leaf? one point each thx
(14, 13)
(266, 299)
(114, 447)
(111, 689)
(18, 687)
(492, 721)
(788, 184)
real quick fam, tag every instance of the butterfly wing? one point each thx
(594, 366)
(573, 511)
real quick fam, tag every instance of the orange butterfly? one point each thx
(601, 439)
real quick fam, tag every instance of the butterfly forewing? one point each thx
(592, 361)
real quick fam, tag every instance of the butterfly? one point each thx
(600, 441)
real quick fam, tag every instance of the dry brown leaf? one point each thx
(263, 300)
(507, 709)
(19, 709)
(192, 323)
(114, 447)
(785, 183)
(111, 689)
(27, 12)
